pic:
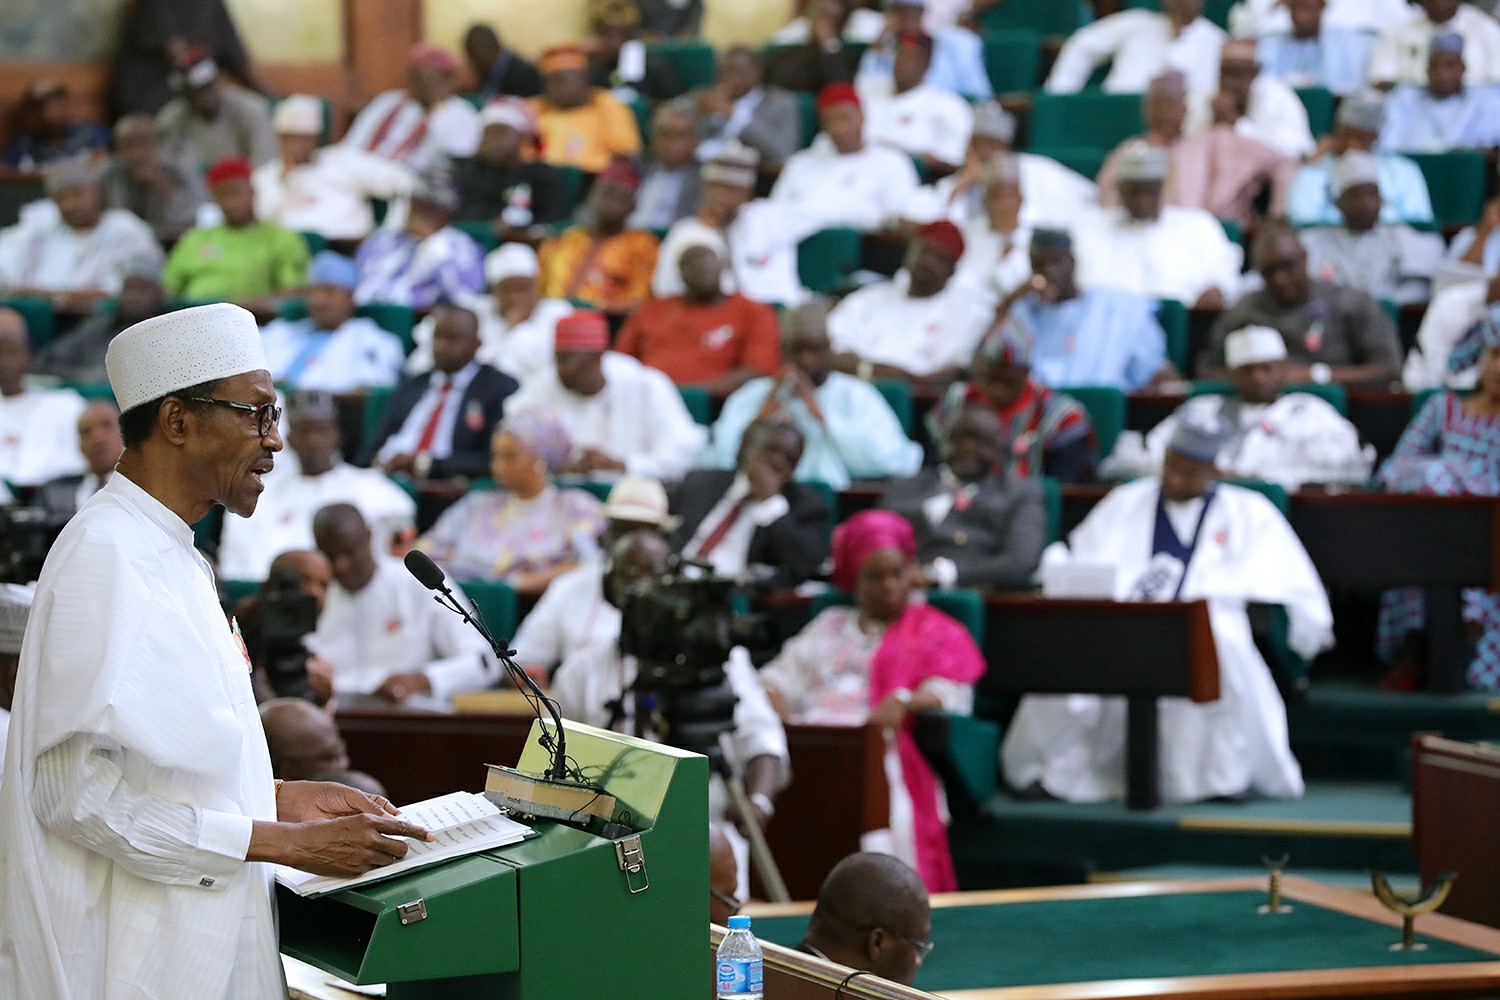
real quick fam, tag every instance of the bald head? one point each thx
(303, 740)
(309, 568)
(872, 913)
(344, 539)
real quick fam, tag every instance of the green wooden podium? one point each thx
(554, 916)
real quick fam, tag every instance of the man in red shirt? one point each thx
(704, 337)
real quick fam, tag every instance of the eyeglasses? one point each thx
(924, 948)
(731, 902)
(267, 415)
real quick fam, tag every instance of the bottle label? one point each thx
(739, 975)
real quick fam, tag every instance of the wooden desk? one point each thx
(1455, 810)
(420, 754)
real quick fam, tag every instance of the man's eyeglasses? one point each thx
(924, 948)
(734, 905)
(267, 415)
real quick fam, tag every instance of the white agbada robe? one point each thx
(358, 355)
(993, 264)
(522, 351)
(1053, 197)
(395, 126)
(39, 436)
(762, 242)
(923, 121)
(865, 190)
(1179, 255)
(1074, 745)
(44, 252)
(638, 417)
(884, 325)
(1275, 117)
(135, 770)
(330, 194)
(1451, 312)
(1139, 46)
(571, 615)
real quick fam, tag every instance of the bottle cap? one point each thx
(738, 923)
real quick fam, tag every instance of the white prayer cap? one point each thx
(992, 121)
(510, 260)
(1354, 168)
(699, 234)
(299, 115)
(15, 607)
(1253, 345)
(640, 500)
(1198, 441)
(179, 349)
(1142, 161)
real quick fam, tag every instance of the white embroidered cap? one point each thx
(171, 352)
(1253, 345)
(298, 115)
(510, 260)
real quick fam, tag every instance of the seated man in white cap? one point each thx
(1400, 53)
(38, 438)
(1182, 536)
(917, 118)
(1252, 103)
(1356, 127)
(283, 521)
(1444, 112)
(505, 183)
(72, 251)
(997, 244)
(1155, 249)
(15, 605)
(322, 189)
(1305, 47)
(1386, 260)
(1291, 438)
(331, 348)
(424, 123)
(140, 178)
(138, 813)
(1138, 45)
(957, 54)
(212, 119)
(426, 260)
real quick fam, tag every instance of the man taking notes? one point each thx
(137, 807)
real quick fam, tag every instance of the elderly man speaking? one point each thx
(137, 807)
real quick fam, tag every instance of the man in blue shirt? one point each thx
(957, 56)
(1311, 55)
(331, 348)
(1403, 189)
(1445, 114)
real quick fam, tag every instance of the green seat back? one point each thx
(807, 104)
(695, 62)
(898, 397)
(376, 400)
(480, 232)
(206, 530)
(39, 317)
(92, 390)
(496, 602)
(389, 316)
(1334, 395)
(1173, 317)
(1013, 59)
(1049, 17)
(1233, 230)
(1274, 492)
(1106, 406)
(316, 242)
(1456, 182)
(963, 605)
(830, 502)
(641, 108)
(572, 187)
(598, 488)
(1086, 160)
(236, 591)
(698, 403)
(1419, 399)
(1052, 497)
(1216, 11)
(1087, 118)
(1319, 104)
(827, 258)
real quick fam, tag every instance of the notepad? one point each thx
(462, 823)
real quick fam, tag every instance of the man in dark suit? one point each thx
(740, 106)
(101, 443)
(438, 424)
(754, 523)
(975, 528)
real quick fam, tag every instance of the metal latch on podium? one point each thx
(632, 863)
(412, 913)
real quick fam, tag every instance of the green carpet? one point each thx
(1141, 937)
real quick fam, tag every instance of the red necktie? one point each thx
(722, 528)
(424, 443)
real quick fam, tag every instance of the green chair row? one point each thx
(1335, 395)
(389, 316)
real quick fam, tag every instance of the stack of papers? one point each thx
(462, 823)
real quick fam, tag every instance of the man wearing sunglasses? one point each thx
(137, 809)
(872, 914)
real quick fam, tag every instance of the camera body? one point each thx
(285, 615)
(26, 536)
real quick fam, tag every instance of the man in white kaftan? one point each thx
(1222, 543)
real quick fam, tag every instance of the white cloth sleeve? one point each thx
(757, 728)
(465, 661)
(1085, 49)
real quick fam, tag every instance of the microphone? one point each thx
(431, 576)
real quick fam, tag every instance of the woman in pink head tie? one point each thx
(880, 661)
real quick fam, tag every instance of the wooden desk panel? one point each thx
(418, 755)
(1456, 822)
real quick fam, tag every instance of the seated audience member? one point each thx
(525, 531)
(1475, 251)
(1332, 333)
(1086, 334)
(976, 526)
(621, 415)
(1445, 113)
(581, 125)
(1055, 195)
(500, 70)
(381, 632)
(723, 875)
(1254, 104)
(1311, 52)
(957, 56)
(620, 62)
(439, 423)
(856, 21)
(1401, 52)
(303, 740)
(760, 236)
(671, 18)
(872, 914)
(1449, 315)
(997, 246)
(1261, 18)
(915, 117)
(704, 337)
(424, 124)
(840, 179)
(425, 262)
(243, 259)
(323, 189)
(1139, 45)
(151, 34)
(283, 521)
(100, 442)
(1291, 438)
(1216, 169)
(141, 180)
(741, 106)
(1042, 432)
(918, 326)
(848, 429)
(1155, 249)
(754, 523)
(515, 322)
(670, 178)
(880, 662)
(46, 130)
(1356, 127)
(504, 183)
(78, 355)
(15, 608)
(1384, 260)
(210, 119)
(38, 427)
(600, 262)
(821, 47)
(78, 254)
(1451, 448)
(331, 348)
(1182, 535)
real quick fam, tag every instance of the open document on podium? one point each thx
(462, 823)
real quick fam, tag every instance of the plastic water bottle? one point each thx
(738, 974)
